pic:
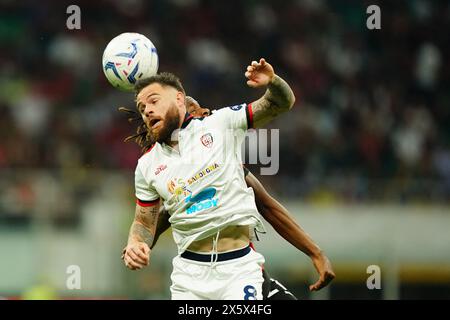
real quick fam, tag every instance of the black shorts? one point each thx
(274, 290)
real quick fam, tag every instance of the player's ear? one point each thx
(181, 101)
(206, 112)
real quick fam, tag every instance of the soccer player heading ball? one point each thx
(211, 209)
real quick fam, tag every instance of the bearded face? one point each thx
(160, 108)
(161, 130)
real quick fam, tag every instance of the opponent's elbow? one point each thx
(291, 101)
(280, 94)
(284, 106)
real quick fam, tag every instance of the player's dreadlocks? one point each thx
(142, 136)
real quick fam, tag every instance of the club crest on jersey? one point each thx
(207, 140)
(237, 107)
(160, 168)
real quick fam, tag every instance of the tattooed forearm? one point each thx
(140, 233)
(277, 99)
(144, 225)
(148, 217)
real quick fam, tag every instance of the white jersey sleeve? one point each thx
(145, 194)
(235, 117)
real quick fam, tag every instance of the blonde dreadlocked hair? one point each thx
(142, 136)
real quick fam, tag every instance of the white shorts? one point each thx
(234, 278)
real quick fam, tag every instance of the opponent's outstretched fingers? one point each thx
(323, 281)
(317, 286)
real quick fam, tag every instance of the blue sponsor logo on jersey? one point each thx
(237, 107)
(202, 201)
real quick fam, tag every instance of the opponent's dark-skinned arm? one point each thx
(283, 223)
(162, 226)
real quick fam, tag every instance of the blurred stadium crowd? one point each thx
(371, 122)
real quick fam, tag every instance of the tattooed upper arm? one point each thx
(277, 99)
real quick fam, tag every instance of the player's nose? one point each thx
(148, 111)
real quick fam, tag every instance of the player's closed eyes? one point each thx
(153, 101)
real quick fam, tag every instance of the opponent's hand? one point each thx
(136, 255)
(259, 74)
(325, 270)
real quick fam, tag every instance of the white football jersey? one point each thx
(202, 186)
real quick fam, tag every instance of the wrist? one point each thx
(273, 80)
(133, 241)
(316, 254)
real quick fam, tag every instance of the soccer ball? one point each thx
(128, 58)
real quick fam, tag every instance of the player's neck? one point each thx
(171, 143)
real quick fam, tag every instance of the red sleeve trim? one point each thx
(147, 203)
(249, 113)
